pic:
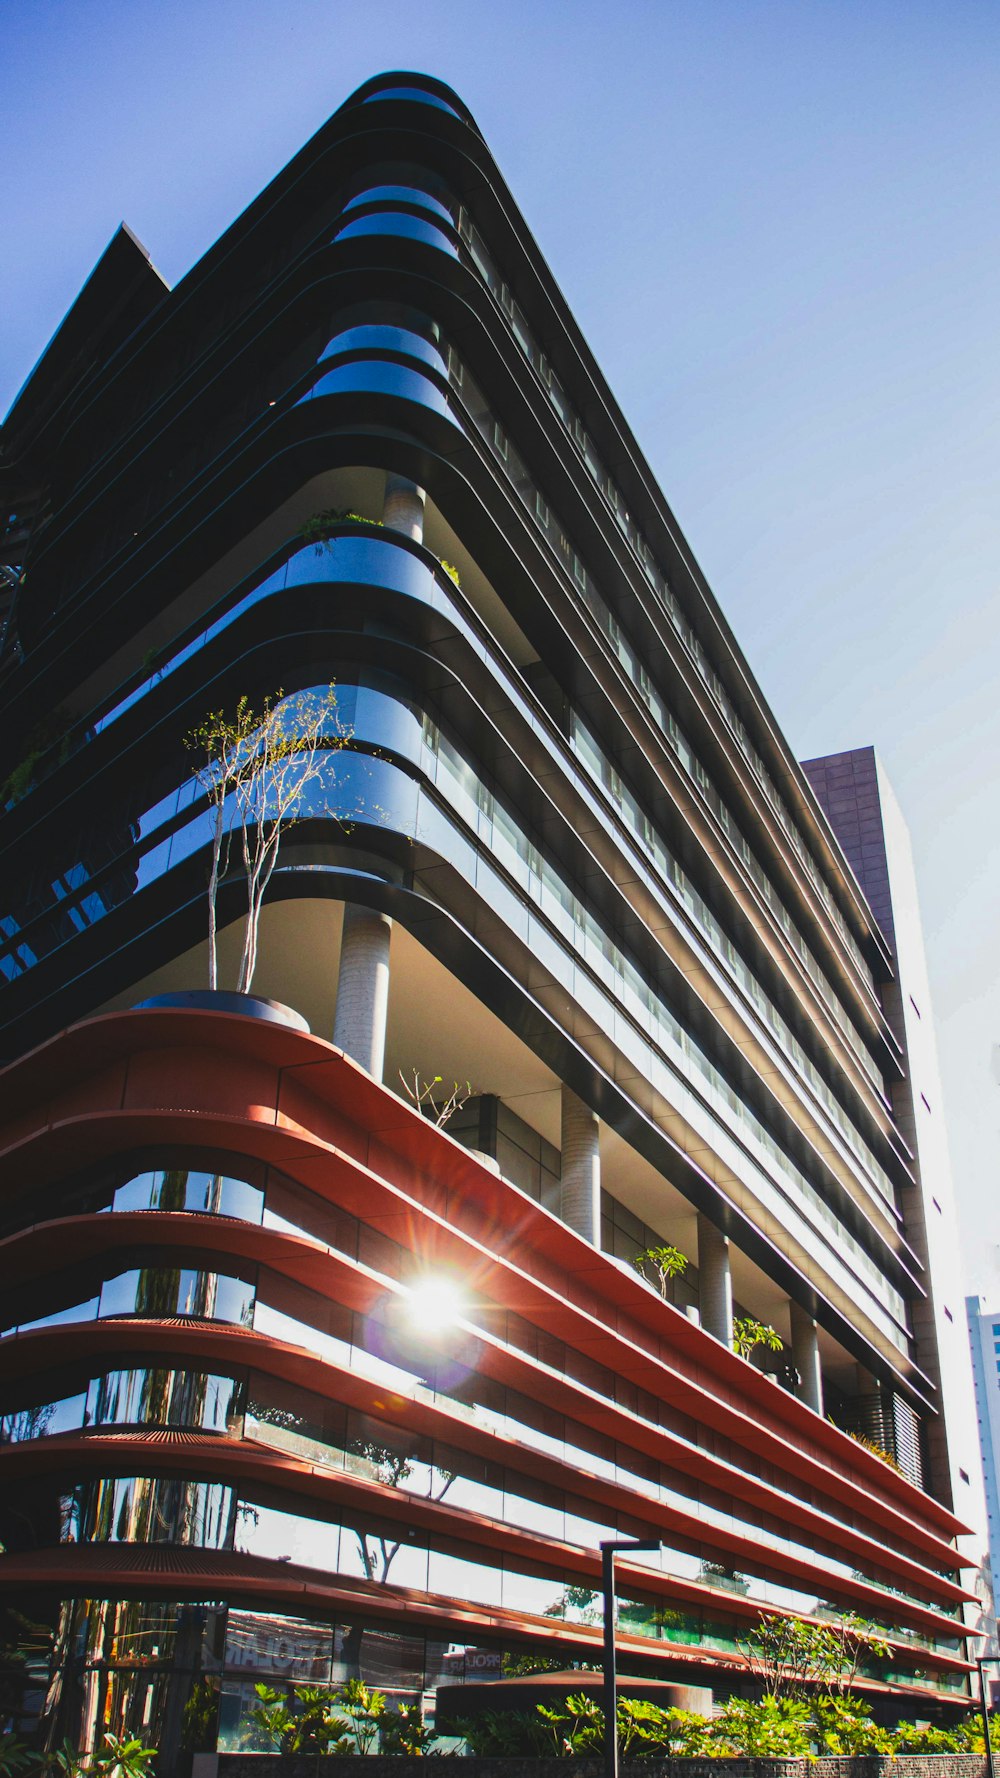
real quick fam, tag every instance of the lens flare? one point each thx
(433, 1305)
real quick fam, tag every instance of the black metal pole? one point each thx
(608, 1553)
(986, 1661)
(610, 1677)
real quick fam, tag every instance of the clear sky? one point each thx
(777, 223)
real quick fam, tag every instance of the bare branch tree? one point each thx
(426, 1099)
(254, 768)
(791, 1655)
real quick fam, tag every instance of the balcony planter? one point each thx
(251, 1006)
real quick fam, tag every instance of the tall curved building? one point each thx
(296, 1383)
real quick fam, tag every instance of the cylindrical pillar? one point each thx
(805, 1354)
(403, 507)
(715, 1284)
(580, 1189)
(363, 987)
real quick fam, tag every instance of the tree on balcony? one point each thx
(255, 767)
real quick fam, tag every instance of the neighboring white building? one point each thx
(984, 1338)
(859, 802)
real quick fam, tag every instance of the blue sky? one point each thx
(776, 221)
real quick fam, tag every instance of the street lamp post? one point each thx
(986, 1661)
(608, 1553)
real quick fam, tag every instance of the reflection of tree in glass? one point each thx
(392, 1468)
(156, 1397)
(156, 1290)
(717, 1574)
(28, 1423)
(522, 1663)
(580, 1602)
(170, 1190)
(144, 1509)
(174, 1398)
(200, 1716)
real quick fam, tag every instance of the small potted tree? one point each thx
(254, 767)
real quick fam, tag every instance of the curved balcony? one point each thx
(560, 932)
(416, 95)
(397, 223)
(197, 1461)
(193, 1090)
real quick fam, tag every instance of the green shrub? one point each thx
(320, 528)
(504, 1734)
(664, 1262)
(844, 1726)
(302, 1722)
(405, 1731)
(765, 1728)
(749, 1333)
(911, 1737)
(577, 1726)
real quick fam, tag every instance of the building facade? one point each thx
(984, 1341)
(295, 1383)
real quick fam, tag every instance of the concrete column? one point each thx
(580, 1189)
(403, 507)
(715, 1281)
(363, 987)
(805, 1355)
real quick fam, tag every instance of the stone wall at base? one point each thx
(274, 1765)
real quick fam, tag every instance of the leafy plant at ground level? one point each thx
(271, 1722)
(644, 1727)
(687, 1733)
(911, 1737)
(118, 1758)
(749, 1333)
(971, 1731)
(843, 1725)
(302, 1722)
(405, 1731)
(577, 1726)
(364, 1709)
(318, 1729)
(771, 1728)
(200, 1715)
(504, 1734)
(664, 1263)
(63, 1761)
(15, 1757)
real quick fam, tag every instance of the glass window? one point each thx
(397, 222)
(190, 1188)
(410, 92)
(153, 1397)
